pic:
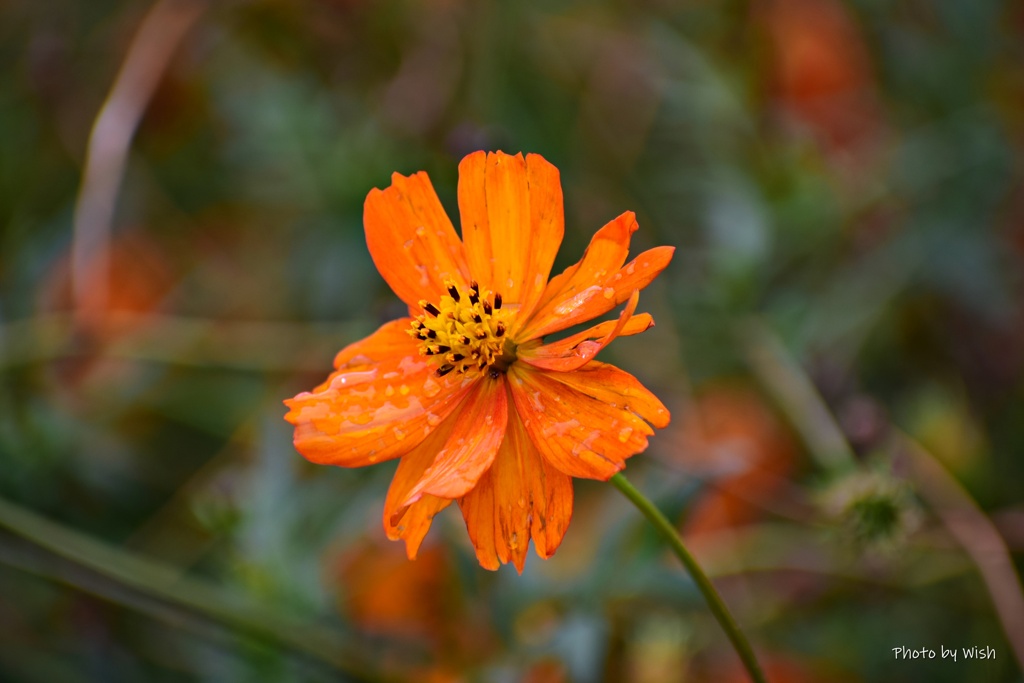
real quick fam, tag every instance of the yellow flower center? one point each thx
(466, 331)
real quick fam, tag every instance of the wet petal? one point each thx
(576, 351)
(512, 223)
(479, 427)
(608, 384)
(521, 497)
(577, 433)
(382, 401)
(412, 240)
(598, 283)
(411, 522)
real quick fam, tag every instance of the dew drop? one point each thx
(407, 245)
(570, 306)
(430, 388)
(350, 379)
(403, 390)
(421, 231)
(433, 420)
(399, 434)
(608, 292)
(625, 433)
(389, 390)
(630, 269)
(513, 541)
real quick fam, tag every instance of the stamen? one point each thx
(464, 331)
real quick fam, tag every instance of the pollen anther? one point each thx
(465, 331)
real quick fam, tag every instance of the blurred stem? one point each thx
(976, 533)
(797, 397)
(151, 587)
(164, 27)
(707, 589)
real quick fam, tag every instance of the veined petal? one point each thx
(381, 402)
(576, 351)
(577, 433)
(412, 240)
(608, 384)
(512, 223)
(479, 427)
(598, 282)
(521, 497)
(411, 522)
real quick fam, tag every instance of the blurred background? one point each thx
(839, 336)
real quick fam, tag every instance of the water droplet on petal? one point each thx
(421, 231)
(433, 420)
(389, 390)
(570, 306)
(407, 245)
(403, 390)
(625, 433)
(361, 418)
(399, 434)
(631, 268)
(608, 292)
(431, 388)
(350, 379)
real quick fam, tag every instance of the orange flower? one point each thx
(465, 390)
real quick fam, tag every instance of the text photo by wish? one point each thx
(973, 652)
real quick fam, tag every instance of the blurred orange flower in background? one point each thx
(731, 435)
(820, 69)
(465, 390)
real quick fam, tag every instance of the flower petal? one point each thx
(411, 522)
(598, 283)
(472, 445)
(381, 402)
(612, 386)
(580, 435)
(412, 240)
(512, 223)
(574, 352)
(521, 497)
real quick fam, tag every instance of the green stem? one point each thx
(707, 589)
